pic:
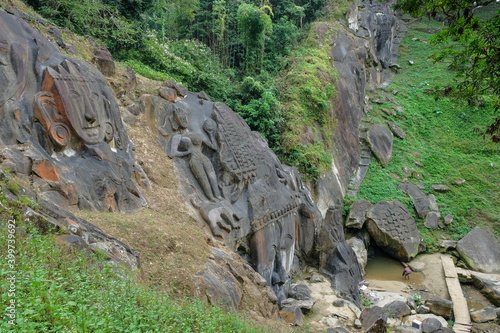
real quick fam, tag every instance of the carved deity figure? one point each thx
(72, 108)
(191, 144)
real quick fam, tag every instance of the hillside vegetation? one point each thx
(441, 136)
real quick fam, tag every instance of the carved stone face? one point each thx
(72, 103)
(181, 117)
(273, 250)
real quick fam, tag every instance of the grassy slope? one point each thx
(440, 136)
(59, 289)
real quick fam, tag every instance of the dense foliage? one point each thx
(473, 27)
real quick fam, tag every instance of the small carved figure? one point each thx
(200, 165)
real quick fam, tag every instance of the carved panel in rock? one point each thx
(64, 115)
(247, 198)
(393, 228)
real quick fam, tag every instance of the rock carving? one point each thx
(250, 201)
(60, 114)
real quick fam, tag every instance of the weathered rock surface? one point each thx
(396, 130)
(393, 229)
(78, 232)
(488, 285)
(337, 259)
(431, 220)
(357, 215)
(381, 142)
(480, 251)
(359, 249)
(483, 315)
(420, 200)
(293, 316)
(374, 320)
(440, 306)
(60, 114)
(431, 325)
(422, 317)
(303, 305)
(397, 309)
(229, 282)
(362, 58)
(300, 292)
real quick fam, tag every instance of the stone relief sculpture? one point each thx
(68, 124)
(249, 200)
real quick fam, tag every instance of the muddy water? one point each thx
(383, 268)
(475, 300)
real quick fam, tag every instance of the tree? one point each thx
(475, 53)
(254, 24)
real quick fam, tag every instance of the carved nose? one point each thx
(90, 116)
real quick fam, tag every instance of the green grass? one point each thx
(307, 94)
(440, 135)
(147, 71)
(59, 289)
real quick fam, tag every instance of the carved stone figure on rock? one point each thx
(200, 165)
(68, 122)
(250, 201)
(71, 107)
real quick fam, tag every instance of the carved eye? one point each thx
(74, 94)
(287, 242)
(94, 97)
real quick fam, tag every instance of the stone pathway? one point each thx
(460, 309)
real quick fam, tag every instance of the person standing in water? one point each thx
(406, 272)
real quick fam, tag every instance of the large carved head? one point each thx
(273, 250)
(72, 108)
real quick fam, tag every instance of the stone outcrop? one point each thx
(393, 229)
(420, 200)
(61, 119)
(480, 250)
(381, 141)
(488, 285)
(357, 215)
(76, 231)
(337, 259)
(363, 58)
(374, 320)
(440, 306)
(229, 282)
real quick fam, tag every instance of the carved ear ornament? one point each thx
(46, 113)
(60, 134)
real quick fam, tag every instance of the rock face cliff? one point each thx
(364, 56)
(61, 129)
